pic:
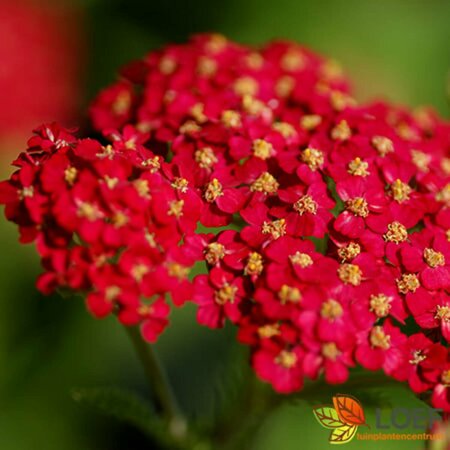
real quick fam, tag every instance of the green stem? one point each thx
(238, 431)
(165, 400)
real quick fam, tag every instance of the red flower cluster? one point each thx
(107, 223)
(333, 246)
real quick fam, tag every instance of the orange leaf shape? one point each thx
(349, 409)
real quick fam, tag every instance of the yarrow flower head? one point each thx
(336, 215)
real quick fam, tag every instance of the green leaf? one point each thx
(127, 407)
(327, 416)
(339, 207)
(343, 434)
(373, 397)
(321, 244)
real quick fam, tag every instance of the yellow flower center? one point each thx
(197, 112)
(254, 61)
(350, 251)
(122, 103)
(112, 292)
(288, 294)
(214, 252)
(310, 121)
(213, 190)
(265, 183)
(130, 144)
(340, 101)
(341, 132)
(177, 270)
(444, 195)
(139, 271)
(433, 258)
(292, 60)
(216, 43)
(70, 175)
(205, 157)
(445, 377)
(286, 359)
(405, 131)
(408, 282)
(358, 167)
(88, 211)
(142, 188)
(145, 310)
(382, 145)
(285, 129)
(111, 182)
(190, 127)
(331, 70)
(330, 351)
(396, 232)
(417, 358)
(144, 126)
(421, 160)
(284, 86)
(331, 310)
(106, 153)
(445, 165)
(305, 204)
(358, 206)
(176, 208)
(269, 330)
(153, 163)
(226, 294)
(206, 67)
(313, 158)
(254, 264)
(119, 219)
(27, 191)
(400, 191)
(380, 305)
(301, 259)
(379, 339)
(252, 106)
(262, 149)
(150, 238)
(231, 119)
(246, 86)
(167, 65)
(276, 228)
(350, 274)
(180, 184)
(442, 313)
(424, 118)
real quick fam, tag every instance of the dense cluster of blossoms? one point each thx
(323, 226)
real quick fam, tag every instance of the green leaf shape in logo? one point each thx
(328, 417)
(343, 434)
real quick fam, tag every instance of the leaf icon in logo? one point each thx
(327, 417)
(349, 409)
(343, 434)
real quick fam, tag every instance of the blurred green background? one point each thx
(399, 49)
